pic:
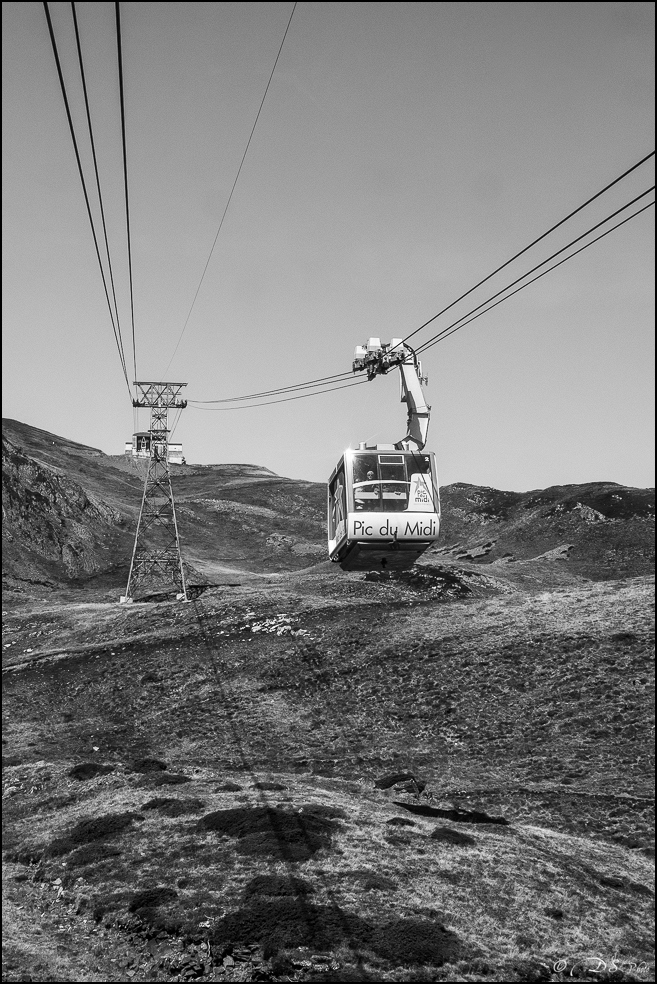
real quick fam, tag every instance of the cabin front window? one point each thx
(392, 482)
(367, 488)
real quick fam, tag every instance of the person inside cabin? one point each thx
(371, 477)
(367, 493)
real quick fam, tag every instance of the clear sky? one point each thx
(404, 151)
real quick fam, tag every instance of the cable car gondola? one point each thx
(383, 500)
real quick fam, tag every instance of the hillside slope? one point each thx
(188, 783)
(71, 511)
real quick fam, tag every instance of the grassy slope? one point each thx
(243, 518)
(531, 704)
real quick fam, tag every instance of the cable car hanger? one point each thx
(378, 360)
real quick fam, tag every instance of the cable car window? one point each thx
(418, 464)
(337, 507)
(394, 488)
(421, 491)
(367, 489)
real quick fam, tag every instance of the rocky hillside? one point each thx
(52, 525)
(602, 529)
(70, 513)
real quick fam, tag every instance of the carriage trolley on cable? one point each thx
(383, 499)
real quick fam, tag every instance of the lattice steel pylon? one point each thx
(156, 558)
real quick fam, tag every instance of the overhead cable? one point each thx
(125, 180)
(535, 241)
(588, 232)
(239, 171)
(95, 160)
(460, 323)
(282, 389)
(454, 328)
(269, 403)
(117, 334)
(450, 329)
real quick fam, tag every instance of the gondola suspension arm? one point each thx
(378, 360)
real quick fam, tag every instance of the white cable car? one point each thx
(383, 500)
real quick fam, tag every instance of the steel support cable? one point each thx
(269, 403)
(125, 180)
(456, 326)
(117, 336)
(95, 160)
(442, 337)
(283, 389)
(588, 232)
(535, 241)
(175, 424)
(239, 171)
(597, 195)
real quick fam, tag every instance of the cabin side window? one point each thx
(366, 485)
(337, 506)
(422, 495)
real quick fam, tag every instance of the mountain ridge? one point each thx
(70, 512)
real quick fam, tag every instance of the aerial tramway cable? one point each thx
(425, 345)
(95, 161)
(454, 328)
(239, 171)
(535, 241)
(125, 179)
(268, 403)
(116, 329)
(282, 389)
(451, 328)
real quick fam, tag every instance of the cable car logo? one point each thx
(420, 497)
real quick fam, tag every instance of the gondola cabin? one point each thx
(383, 508)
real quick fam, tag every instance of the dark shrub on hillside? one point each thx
(89, 770)
(288, 835)
(26, 854)
(293, 922)
(415, 941)
(91, 829)
(449, 836)
(148, 765)
(171, 806)
(459, 816)
(276, 885)
(151, 898)
(91, 854)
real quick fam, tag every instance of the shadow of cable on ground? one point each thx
(276, 911)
